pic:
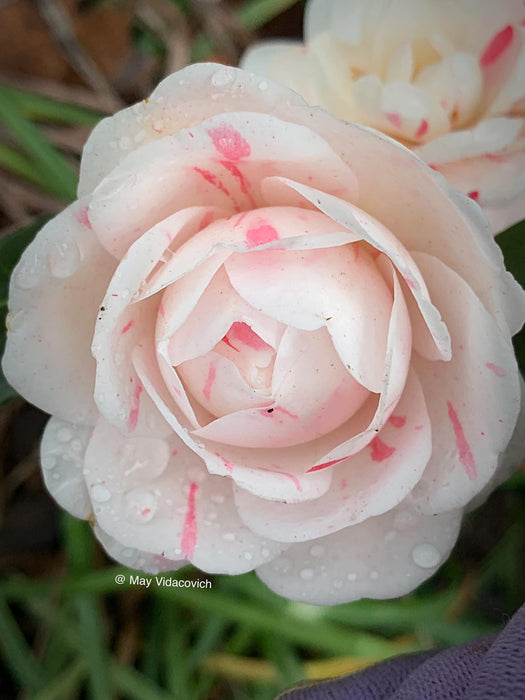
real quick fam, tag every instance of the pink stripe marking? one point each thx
(474, 194)
(465, 453)
(209, 381)
(243, 332)
(498, 371)
(206, 220)
(295, 480)
(497, 45)
(127, 327)
(189, 529)
(380, 450)
(422, 128)
(324, 465)
(227, 464)
(286, 413)
(229, 142)
(212, 179)
(397, 421)
(83, 217)
(243, 182)
(265, 233)
(135, 405)
(394, 118)
(226, 340)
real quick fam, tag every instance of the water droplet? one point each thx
(57, 476)
(265, 552)
(76, 445)
(228, 537)
(222, 77)
(182, 82)
(306, 574)
(426, 556)
(281, 565)
(27, 273)
(217, 498)
(48, 462)
(125, 293)
(248, 556)
(64, 259)
(263, 85)
(64, 435)
(374, 575)
(141, 506)
(317, 550)
(352, 576)
(100, 493)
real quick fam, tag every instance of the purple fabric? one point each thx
(486, 668)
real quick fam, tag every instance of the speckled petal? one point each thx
(53, 299)
(383, 557)
(473, 400)
(368, 484)
(156, 496)
(62, 458)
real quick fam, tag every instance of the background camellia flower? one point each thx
(444, 77)
(269, 340)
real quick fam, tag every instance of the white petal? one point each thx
(370, 483)
(383, 557)
(473, 400)
(62, 458)
(53, 305)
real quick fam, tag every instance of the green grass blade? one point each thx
(60, 178)
(136, 686)
(65, 684)
(41, 108)
(17, 654)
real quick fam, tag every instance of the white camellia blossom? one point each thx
(269, 340)
(444, 77)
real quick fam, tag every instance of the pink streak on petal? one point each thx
(227, 464)
(161, 310)
(465, 453)
(135, 403)
(243, 182)
(127, 327)
(209, 381)
(229, 142)
(212, 179)
(498, 44)
(242, 332)
(265, 233)
(324, 465)
(295, 480)
(83, 217)
(498, 371)
(474, 194)
(286, 413)
(380, 450)
(206, 220)
(227, 342)
(398, 421)
(394, 118)
(189, 529)
(422, 128)
(410, 283)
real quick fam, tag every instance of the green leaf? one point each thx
(59, 177)
(40, 108)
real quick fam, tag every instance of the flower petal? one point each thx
(47, 356)
(383, 557)
(371, 482)
(473, 400)
(62, 456)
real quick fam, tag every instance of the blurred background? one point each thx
(67, 629)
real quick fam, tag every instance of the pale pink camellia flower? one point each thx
(444, 77)
(269, 340)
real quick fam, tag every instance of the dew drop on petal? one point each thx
(100, 493)
(265, 552)
(217, 498)
(426, 556)
(228, 537)
(48, 462)
(248, 556)
(317, 550)
(141, 506)
(351, 576)
(263, 85)
(64, 259)
(64, 435)
(306, 574)
(222, 77)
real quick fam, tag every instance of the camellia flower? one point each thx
(444, 77)
(269, 340)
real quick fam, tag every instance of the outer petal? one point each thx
(62, 457)
(367, 484)
(158, 497)
(47, 357)
(383, 557)
(473, 400)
